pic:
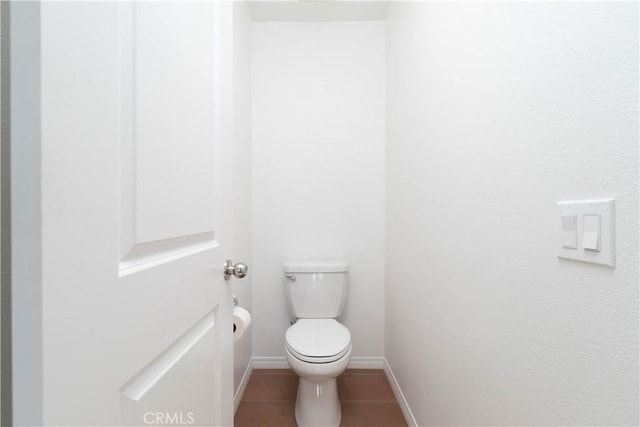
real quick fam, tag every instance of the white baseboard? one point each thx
(269, 363)
(366, 363)
(397, 391)
(243, 386)
(281, 363)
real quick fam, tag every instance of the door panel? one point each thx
(173, 119)
(167, 125)
(150, 397)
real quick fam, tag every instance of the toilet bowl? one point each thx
(318, 347)
(318, 351)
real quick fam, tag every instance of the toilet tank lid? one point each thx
(316, 266)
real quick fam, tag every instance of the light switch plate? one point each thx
(605, 209)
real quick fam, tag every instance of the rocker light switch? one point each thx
(591, 233)
(569, 232)
(587, 231)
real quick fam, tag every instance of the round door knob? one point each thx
(239, 270)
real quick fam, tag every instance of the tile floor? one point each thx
(365, 396)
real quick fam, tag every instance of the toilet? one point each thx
(317, 346)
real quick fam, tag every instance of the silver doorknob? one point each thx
(239, 270)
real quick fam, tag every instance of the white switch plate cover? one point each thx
(606, 209)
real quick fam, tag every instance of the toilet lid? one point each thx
(318, 340)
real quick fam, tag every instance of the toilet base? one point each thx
(317, 404)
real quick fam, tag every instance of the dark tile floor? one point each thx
(365, 396)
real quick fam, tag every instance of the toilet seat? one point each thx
(317, 359)
(318, 340)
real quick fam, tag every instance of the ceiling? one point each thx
(309, 10)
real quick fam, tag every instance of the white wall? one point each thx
(496, 111)
(242, 175)
(318, 169)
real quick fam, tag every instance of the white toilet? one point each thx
(318, 347)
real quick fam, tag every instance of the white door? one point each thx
(135, 127)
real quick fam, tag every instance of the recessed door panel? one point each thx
(178, 387)
(173, 119)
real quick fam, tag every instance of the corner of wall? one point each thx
(242, 183)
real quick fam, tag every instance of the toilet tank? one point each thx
(316, 289)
